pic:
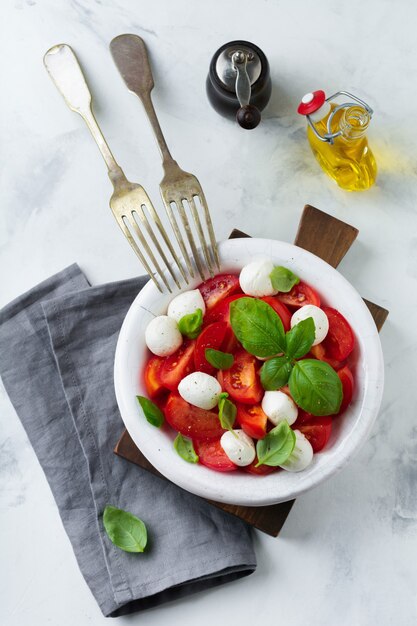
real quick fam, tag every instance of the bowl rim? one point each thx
(365, 418)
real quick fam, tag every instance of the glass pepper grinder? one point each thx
(337, 136)
(239, 83)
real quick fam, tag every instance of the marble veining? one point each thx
(346, 555)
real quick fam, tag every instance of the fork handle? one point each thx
(66, 73)
(131, 59)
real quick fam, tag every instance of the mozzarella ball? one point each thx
(162, 336)
(238, 447)
(254, 278)
(186, 303)
(320, 319)
(200, 389)
(279, 407)
(301, 456)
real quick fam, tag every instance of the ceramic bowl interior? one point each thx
(349, 431)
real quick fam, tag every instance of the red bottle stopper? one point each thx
(311, 102)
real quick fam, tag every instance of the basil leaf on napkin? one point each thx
(218, 359)
(124, 529)
(227, 411)
(283, 279)
(276, 447)
(300, 338)
(316, 387)
(185, 448)
(257, 326)
(152, 412)
(190, 325)
(275, 373)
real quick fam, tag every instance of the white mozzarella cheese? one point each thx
(239, 447)
(162, 336)
(301, 456)
(320, 319)
(186, 303)
(255, 279)
(200, 389)
(279, 407)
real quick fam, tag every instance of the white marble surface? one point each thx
(347, 554)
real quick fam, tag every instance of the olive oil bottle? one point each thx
(337, 136)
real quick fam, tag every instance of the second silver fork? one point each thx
(177, 187)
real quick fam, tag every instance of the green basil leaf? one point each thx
(218, 359)
(227, 412)
(190, 325)
(152, 413)
(125, 530)
(276, 447)
(275, 373)
(257, 326)
(316, 387)
(184, 447)
(300, 338)
(283, 279)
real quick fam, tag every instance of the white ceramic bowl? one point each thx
(349, 432)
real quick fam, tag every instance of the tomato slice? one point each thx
(230, 342)
(348, 386)
(339, 341)
(252, 420)
(191, 421)
(153, 384)
(177, 366)
(281, 309)
(211, 337)
(262, 470)
(299, 295)
(316, 429)
(221, 311)
(216, 289)
(242, 381)
(319, 352)
(211, 454)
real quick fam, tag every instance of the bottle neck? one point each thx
(354, 122)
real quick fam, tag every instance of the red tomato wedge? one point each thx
(340, 340)
(191, 421)
(153, 384)
(299, 295)
(242, 381)
(221, 312)
(211, 454)
(177, 366)
(262, 470)
(230, 342)
(319, 352)
(348, 386)
(211, 337)
(252, 420)
(216, 289)
(281, 309)
(316, 429)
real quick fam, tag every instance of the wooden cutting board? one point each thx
(330, 239)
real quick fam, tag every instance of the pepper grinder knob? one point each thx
(239, 83)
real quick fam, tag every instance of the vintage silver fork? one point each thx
(129, 202)
(130, 56)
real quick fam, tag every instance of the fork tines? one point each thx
(138, 230)
(195, 203)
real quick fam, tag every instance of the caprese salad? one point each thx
(250, 371)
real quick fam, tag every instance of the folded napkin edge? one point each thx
(42, 290)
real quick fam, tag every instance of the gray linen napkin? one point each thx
(57, 345)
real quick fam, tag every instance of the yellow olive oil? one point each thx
(349, 160)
